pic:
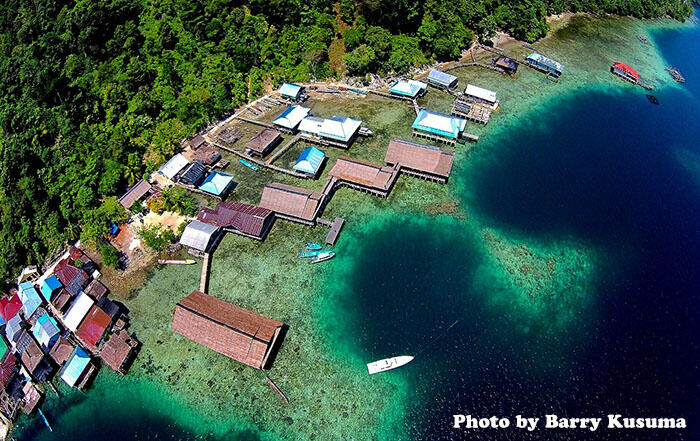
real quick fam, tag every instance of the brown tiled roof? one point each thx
(292, 201)
(96, 289)
(262, 141)
(228, 329)
(245, 218)
(424, 158)
(197, 141)
(118, 349)
(32, 355)
(363, 173)
(61, 351)
(207, 154)
(135, 193)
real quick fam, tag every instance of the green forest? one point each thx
(94, 94)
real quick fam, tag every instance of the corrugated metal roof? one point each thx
(50, 286)
(46, 331)
(311, 125)
(77, 311)
(290, 200)
(542, 60)
(290, 90)
(245, 218)
(173, 166)
(198, 235)
(76, 365)
(442, 78)
(94, 326)
(439, 123)
(425, 158)
(310, 160)
(135, 193)
(194, 173)
(341, 128)
(481, 93)
(30, 298)
(216, 183)
(9, 307)
(409, 88)
(291, 117)
(363, 173)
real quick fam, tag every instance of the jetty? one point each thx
(335, 226)
(204, 278)
(471, 111)
(283, 149)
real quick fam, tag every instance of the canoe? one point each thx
(176, 262)
(323, 256)
(307, 254)
(652, 99)
(250, 165)
(388, 364)
(313, 246)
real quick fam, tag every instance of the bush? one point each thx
(156, 237)
(110, 256)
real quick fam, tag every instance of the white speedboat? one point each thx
(388, 364)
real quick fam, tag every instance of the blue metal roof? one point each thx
(216, 183)
(75, 366)
(30, 298)
(46, 331)
(290, 90)
(310, 160)
(50, 286)
(441, 77)
(409, 88)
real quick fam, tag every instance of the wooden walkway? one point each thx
(281, 151)
(204, 279)
(260, 163)
(336, 226)
(388, 95)
(474, 63)
(416, 107)
(255, 121)
(274, 387)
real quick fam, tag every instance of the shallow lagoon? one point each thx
(546, 285)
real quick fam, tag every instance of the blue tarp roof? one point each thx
(75, 366)
(30, 298)
(290, 90)
(50, 286)
(310, 160)
(216, 183)
(46, 331)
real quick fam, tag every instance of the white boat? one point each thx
(322, 256)
(176, 262)
(388, 364)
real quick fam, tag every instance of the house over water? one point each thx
(118, 352)
(77, 311)
(217, 183)
(244, 219)
(544, 64)
(424, 161)
(480, 95)
(438, 126)
(292, 203)
(289, 120)
(78, 369)
(442, 80)
(339, 131)
(409, 88)
(625, 72)
(227, 329)
(509, 65)
(364, 176)
(310, 161)
(262, 143)
(200, 237)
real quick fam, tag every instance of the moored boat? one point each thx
(308, 254)
(643, 39)
(248, 164)
(176, 261)
(365, 131)
(322, 256)
(313, 246)
(675, 74)
(652, 99)
(388, 364)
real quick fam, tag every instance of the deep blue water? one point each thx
(605, 170)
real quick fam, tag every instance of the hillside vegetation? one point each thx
(96, 93)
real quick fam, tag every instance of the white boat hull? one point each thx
(388, 364)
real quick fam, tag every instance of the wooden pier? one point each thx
(335, 226)
(475, 63)
(259, 163)
(255, 121)
(435, 138)
(477, 113)
(204, 279)
(389, 95)
(416, 107)
(283, 149)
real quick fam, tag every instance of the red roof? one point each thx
(10, 307)
(622, 67)
(248, 219)
(94, 326)
(7, 367)
(66, 271)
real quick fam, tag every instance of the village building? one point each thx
(8, 363)
(310, 161)
(28, 274)
(13, 329)
(62, 300)
(228, 329)
(46, 332)
(96, 289)
(292, 91)
(438, 126)
(135, 193)
(33, 358)
(30, 298)
(409, 88)
(442, 80)
(289, 120)
(118, 351)
(262, 143)
(480, 95)
(200, 237)
(61, 350)
(544, 64)
(32, 397)
(174, 166)
(509, 65)
(625, 72)
(197, 142)
(207, 154)
(363, 176)
(424, 161)
(9, 307)
(93, 327)
(78, 370)
(339, 131)
(193, 174)
(74, 279)
(110, 308)
(217, 184)
(244, 219)
(77, 311)
(292, 203)
(50, 287)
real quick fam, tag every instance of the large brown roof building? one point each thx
(227, 329)
(292, 203)
(364, 175)
(240, 218)
(420, 160)
(263, 142)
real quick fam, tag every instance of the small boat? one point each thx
(176, 262)
(46, 421)
(643, 39)
(308, 254)
(388, 364)
(652, 99)
(322, 256)
(248, 164)
(329, 90)
(313, 246)
(365, 131)
(675, 74)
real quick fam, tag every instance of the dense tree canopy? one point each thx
(95, 93)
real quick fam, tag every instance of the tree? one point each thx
(361, 60)
(110, 256)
